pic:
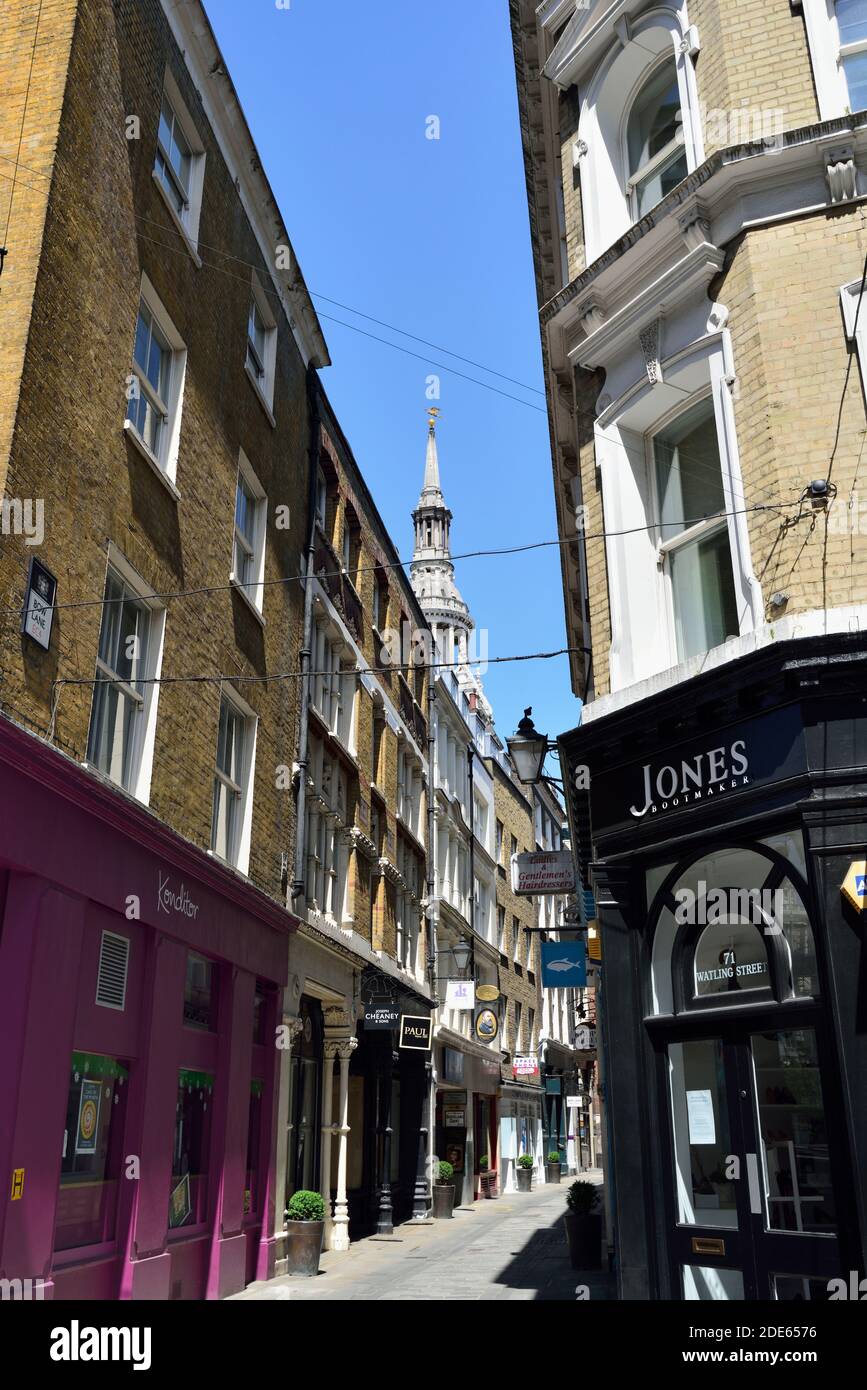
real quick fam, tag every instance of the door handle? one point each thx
(753, 1183)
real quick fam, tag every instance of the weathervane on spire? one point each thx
(433, 412)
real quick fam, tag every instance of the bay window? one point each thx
(693, 531)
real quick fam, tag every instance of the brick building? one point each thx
(193, 576)
(695, 177)
(360, 880)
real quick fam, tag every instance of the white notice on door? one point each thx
(699, 1105)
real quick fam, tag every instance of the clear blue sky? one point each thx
(431, 236)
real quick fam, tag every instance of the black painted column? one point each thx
(385, 1215)
(627, 1164)
(420, 1195)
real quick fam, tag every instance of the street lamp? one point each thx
(528, 748)
(461, 954)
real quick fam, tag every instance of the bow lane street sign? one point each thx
(548, 871)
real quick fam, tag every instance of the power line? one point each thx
(493, 552)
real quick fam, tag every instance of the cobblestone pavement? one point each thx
(510, 1248)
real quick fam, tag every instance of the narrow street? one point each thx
(511, 1248)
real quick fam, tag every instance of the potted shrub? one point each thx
(552, 1167)
(583, 1226)
(444, 1191)
(524, 1172)
(305, 1222)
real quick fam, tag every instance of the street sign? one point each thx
(854, 885)
(525, 1066)
(548, 871)
(39, 604)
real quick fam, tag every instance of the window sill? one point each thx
(173, 212)
(241, 590)
(260, 396)
(150, 458)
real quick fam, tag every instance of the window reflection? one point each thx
(793, 1131)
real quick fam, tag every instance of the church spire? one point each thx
(431, 493)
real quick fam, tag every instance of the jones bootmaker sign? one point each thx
(691, 775)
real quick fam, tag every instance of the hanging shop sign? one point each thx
(528, 1067)
(573, 1102)
(384, 1013)
(460, 994)
(548, 871)
(854, 885)
(416, 1032)
(564, 965)
(39, 604)
(487, 1025)
(455, 1118)
(487, 993)
(585, 1038)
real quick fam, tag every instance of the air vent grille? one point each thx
(113, 966)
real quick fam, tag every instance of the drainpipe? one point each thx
(298, 881)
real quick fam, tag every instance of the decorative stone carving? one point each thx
(694, 227)
(649, 340)
(841, 173)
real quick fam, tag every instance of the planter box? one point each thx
(584, 1237)
(524, 1177)
(552, 1172)
(443, 1201)
(303, 1247)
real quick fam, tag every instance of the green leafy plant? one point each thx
(445, 1174)
(483, 1163)
(581, 1197)
(526, 1161)
(554, 1156)
(305, 1206)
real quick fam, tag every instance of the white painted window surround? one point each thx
(179, 164)
(849, 296)
(248, 552)
(261, 349)
(241, 775)
(163, 456)
(643, 631)
(608, 96)
(142, 732)
(824, 41)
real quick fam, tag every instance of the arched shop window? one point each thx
(729, 927)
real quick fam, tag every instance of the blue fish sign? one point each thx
(564, 965)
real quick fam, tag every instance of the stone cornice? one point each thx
(778, 180)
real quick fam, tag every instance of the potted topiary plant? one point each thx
(583, 1226)
(444, 1191)
(305, 1222)
(552, 1167)
(524, 1172)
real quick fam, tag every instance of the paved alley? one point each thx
(510, 1248)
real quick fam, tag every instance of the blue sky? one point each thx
(431, 236)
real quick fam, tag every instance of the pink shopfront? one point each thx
(140, 983)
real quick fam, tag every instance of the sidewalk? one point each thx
(510, 1248)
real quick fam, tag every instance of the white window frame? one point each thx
(187, 221)
(165, 461)
(239, 851)
(826, 54)
(667, 548)
(599, 148)
(254, 591)
(321, 498)
(658, 160)
(263, 379)
(144, 736)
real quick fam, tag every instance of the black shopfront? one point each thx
(722, 818)
(390, 1084)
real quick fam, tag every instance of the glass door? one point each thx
(754, 1207)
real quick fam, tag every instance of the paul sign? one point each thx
(693, 779)
(415, 1032)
